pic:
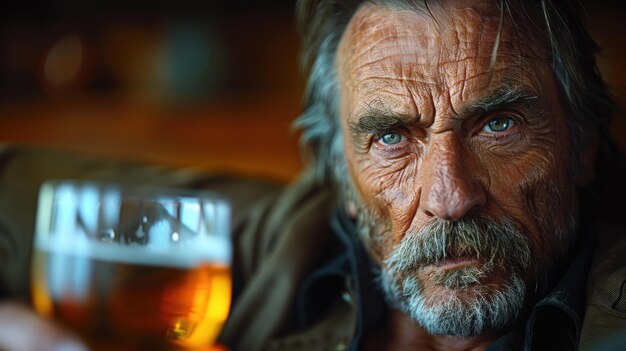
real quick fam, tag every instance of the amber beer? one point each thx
(132, 269)
(132, 305)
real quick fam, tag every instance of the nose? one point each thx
(449, 188)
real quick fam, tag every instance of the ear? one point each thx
(586, 164)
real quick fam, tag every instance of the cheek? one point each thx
(389, 189)
(536, 193)
(551, 208)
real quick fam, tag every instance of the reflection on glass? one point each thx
(133, 268)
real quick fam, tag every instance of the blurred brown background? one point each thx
(212, 84)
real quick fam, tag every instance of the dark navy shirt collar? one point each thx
(349, 267)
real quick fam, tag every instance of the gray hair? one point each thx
(322, 23)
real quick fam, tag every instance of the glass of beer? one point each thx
(133, 267)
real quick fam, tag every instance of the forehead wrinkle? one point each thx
(408, 65)
(466, 84)
(388, 54)
(404, 46)
(476, 44)
(393, 54)
(377, 77)
(370, 27)
(410, 97)
(505, 89)
(374, 49)
(385, 31)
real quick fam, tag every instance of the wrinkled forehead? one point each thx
(490, 33)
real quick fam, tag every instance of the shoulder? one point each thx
(296, 212)
(605, 314)
(277, 242)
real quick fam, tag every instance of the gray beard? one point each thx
(452, 309)
(497, 245)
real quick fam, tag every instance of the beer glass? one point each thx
(133, 267)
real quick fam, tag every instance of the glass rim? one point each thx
(136, 188)
(47, 235)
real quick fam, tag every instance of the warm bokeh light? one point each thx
(63, 63)
(205, 84)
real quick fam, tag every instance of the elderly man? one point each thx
(459, 134)
(454, 143)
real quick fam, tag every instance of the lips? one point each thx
(453, 272)
(455, 257)
(457, 262)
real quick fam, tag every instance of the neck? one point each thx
(402, 333)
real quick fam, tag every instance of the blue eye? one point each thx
(391, 138)
(498, 125)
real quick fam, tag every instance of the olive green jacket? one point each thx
(277, 231)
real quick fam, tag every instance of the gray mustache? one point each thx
(491, 242)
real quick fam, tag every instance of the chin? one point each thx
(457, 308)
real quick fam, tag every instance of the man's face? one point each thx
(458, 159)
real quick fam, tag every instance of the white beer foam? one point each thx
(205, 250)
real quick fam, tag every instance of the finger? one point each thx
(22, 330)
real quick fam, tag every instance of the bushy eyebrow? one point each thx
(376, 121)
(505, 96)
